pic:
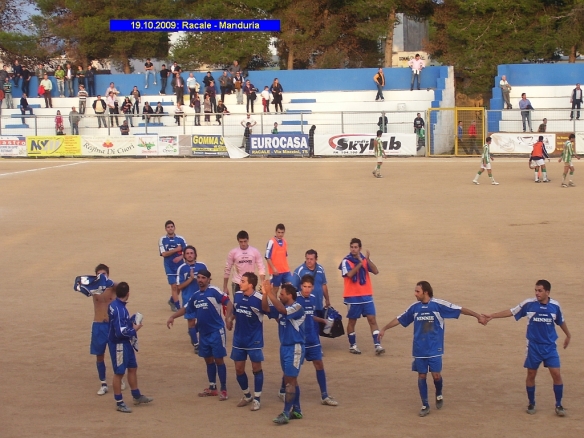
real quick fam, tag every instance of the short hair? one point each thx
(426, 288)
(280, 227)
(545, 119)
(122, 290)
(290, 290)
(191, 247)
(164, 65)
(357, 241)
(545, 284)
(522, 94)
(379, 133)
(488, 139)
(307, 279)
(251, 278)
(417, 54)
(311, 252)
(242, 235)
(102, 267)
(168, 222)
(572, 136)
(540, 138)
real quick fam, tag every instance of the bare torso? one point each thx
(101, 304)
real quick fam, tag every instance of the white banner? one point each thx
(234, 149)
(362, 144)
(580, 142)
(520, 143)
(120, 145)
(168, 145)
(12, 146)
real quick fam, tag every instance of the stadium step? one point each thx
(298, 111)
(20, 116)
(294, 122)
(302, 100)
(19, 126)
(142, 125)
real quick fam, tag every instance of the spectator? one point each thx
(379, 80)
(4, 74)
(24, 107)
(576, 101)
(112, 89)
(16, 72)
(164, 72)
(207, 108)
(1, 99)
(124, 128)
(382, 123)
(90, 76)
(82, 95)
(224, 82)
(210, 90)
(178, 113)
(99, 106)
(250, 92)
(248, 119)
(80, 78)
(416, 65)
(196, 105)
(60, 77)
(266, 99)
(207, 79)
(47, 87)
(472, 138)
(276, 91)
(113, 108)
(69, 79)
(136, 96)
(59, 126)
(221, 109)
(158, 110)
(506, 90)
(74, 119)
(146, 111)
(246, 137)
(26, 75)
(238, 86)
(193, 86)
(40, 73)
(234, 69)
(174, 69)
(525, 107)
(543, 126)
(418, 123)
(7, 87)
(149, 70)
(127, 107)
(460, 136)
(275, 129)
(179, 88)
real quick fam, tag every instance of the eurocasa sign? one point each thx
(363, 144)
(279, 144)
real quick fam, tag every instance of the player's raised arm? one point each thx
(269, 292)
(372, 267)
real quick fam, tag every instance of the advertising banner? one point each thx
(208, 145)
(279, 145)
(138, 145)
(580, 142)
(362, 144)
(507, 143)
(185, 147)
(12, 146)
(53, 145)
(168, 145)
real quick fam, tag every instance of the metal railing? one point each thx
(539, 120)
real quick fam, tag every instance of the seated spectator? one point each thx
(24, 107)
(543, 126)
(178, 113)
(146, 111)
(221, 109)
(158, 110)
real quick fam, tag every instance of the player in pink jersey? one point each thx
(245, 259)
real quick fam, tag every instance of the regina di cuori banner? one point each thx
(362, 144)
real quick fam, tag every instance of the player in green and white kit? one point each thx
(567, 155)
(486, 164)
(379, 154)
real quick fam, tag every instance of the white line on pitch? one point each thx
(42, 168)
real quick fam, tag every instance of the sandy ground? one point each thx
(482, 247)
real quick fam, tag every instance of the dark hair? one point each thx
(290, 290)
(251, 278)
(572, 136)
(307, 279)
(426, 288)
(190, 247)
(102, 267)
(355, 240)
(540, 138)
(311, 252)
(168, 222)
(379, 133)
(122, 290)
(242, 235)
(488, 139)
(546, 285)
(280, 227)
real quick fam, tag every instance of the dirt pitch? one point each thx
(482, 247)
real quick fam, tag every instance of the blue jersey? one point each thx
(207, 305)
(167, 243)
(90, 285)
(310, 325)
(183, 274)
(319, 281)
(291, 325)
(428, 322)
(249, 331)
(540, 319)
(121, 328)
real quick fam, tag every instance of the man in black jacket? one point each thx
(576, 101)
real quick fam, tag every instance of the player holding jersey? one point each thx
(567, 154)
(290, 316)
(248, 338)
(486, 164)
(171, 247)
(543, 314)
(316, 271)
(428, 315)
(277, 258)
(187, 285)
(245, 258)
(206, 304)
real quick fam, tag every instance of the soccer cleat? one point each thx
(531, 409)
(560, 411)
(208, 392)
(296, 415)
(379, 175)
(564, 185)
(281, 419)
(379, 350)
(123, 385)
(571, 184)
(142, 400)
(172, 306)
(255, 406)
(244, 401)
(196, 348)
(123, 408)
(537, 181)
(353, 349)
(495, 183)
(328, 401)
(439, 401)
(223, 395)
(424, 411)
(547, 180)
(282, 395)
(103, 390)
(374, 173)
(475, 182)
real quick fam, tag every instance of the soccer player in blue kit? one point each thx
(290, 316)
(428, 315)
(171, 247)
(320, 290)
(543, 314)
(186, 278)
(248, 338)
(206, 304)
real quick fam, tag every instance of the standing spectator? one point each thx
(99, 106)
(16, 72)
(74, 119)
(90, 76)
(112, 89)
(276, 91)
(418, 123)
(221, 109)
(48, 88)
(127, 110)
(179, 88)
(506, 89)
(224, 82)
(146, 111)
(164, 72)
(576, 101)
(238, 87)
(275, 128)
(234, 69)
(210, 90)
(1, 99)
(26, 75)
(60, 77)
(379, 80)
(80, 76)
(416, 65)
(543, 126)
(196, 104)
(158, 110)
(460, 136)
(249, 119)
(149, 70)
(207, 108)
(382, 123)
(248, 123)
(7, 87)
(4, 74)
(69, 79)
(525, 107)
(266, 99)
(59, 125)
(178, 113)
(39, 72)
(82, 95)
(472, 136)
(174, 69)
(24, 107)
(208, 79)
(250, 92)
(193, 86)
(124, 128)
(137, 98)
(112, 105)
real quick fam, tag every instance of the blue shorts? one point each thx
(313, 353)
(280, 279)
(99, 336)
(170, 274)
(538, 353)
(123, 356)
(356, 311)
(185, 299)
(422, 365)
(212, 344)
(240, 355)
(291, 359)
